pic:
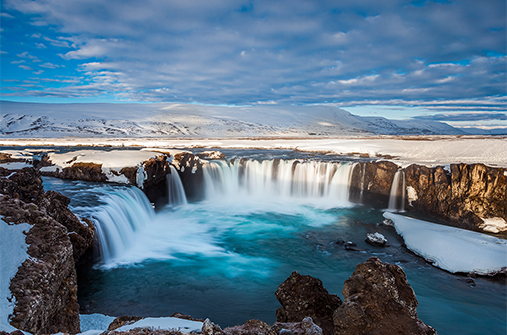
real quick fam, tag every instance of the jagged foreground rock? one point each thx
(377, 300)
(45, 286)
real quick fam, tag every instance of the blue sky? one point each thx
(443, 60)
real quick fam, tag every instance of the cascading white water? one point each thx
(397, 193)
(175, 191)
(126, 211)
(280, 178)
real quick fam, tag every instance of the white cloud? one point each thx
(49, 65)
(28, 56)
(297, 51)
(24, 67)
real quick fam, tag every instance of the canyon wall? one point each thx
(470, 196)
(45, 285)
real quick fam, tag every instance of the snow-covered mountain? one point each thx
(187, 120)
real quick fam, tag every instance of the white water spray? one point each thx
(277, 178)
(175, 191)
(126, 211)
(397, 193)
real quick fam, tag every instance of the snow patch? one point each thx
(168, 323)
(450, 248)
(15, 165)
(411, 195)
(494, 225)
(13, 252)
(95, 322)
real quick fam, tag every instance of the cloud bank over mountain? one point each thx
(439, 55)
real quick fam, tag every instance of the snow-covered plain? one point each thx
(452, 249)
(184, 120)
(430, 151)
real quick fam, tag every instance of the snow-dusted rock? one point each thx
(376, 239)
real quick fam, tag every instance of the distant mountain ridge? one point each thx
(39, 120)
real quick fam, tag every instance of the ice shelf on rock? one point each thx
(453, 249)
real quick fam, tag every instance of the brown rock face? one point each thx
(83, 171)
(303, 296)
(371, 182)
(251, 327)
(81, 234)
(26, 185)
(464, 196)
(378, 300)
(45, 285)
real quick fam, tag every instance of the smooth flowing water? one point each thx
(224, 257)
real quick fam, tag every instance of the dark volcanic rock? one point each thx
(45, 285)
(155, 170)
(190, 171)
(371, 182)
(378, 300)
(303, 296)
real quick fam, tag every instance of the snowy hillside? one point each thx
(186, 120)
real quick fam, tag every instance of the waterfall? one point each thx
(277, 178)
(126, 211)
(397, 193)
(361, 185)
(175, 190)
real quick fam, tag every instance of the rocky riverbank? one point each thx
(44, 287)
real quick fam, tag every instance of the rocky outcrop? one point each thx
(45, 286)
(464, 196)
(26, 185)
(305, 296)
(189, 168)
(371, 182)
(378, 300)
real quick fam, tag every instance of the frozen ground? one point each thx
(431, 151)
(450, 248)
